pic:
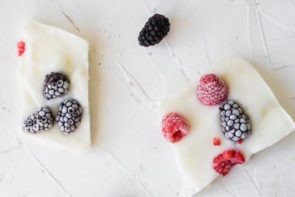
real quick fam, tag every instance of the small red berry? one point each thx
(20, 51)
(216, 141)
(174, 127)
(21, 45)
(240, 141)
(223, 162)
(212, 90)
(228, 154)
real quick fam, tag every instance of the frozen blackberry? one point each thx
(69, 115)
(154, 30)
(235, 124)
(39, 121)
(55, 85)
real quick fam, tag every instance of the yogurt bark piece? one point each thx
(49, 49)
(195, 152)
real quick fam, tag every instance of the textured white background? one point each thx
(129, 157)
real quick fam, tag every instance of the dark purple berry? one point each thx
(69, 115)
(155, 29)
(39, 121)
(55, 85)
(235, 124)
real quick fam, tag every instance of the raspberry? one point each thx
(216, 141)
(174, 127)
(223, 162)
(212, 90)
(40, 120)
(21, 45)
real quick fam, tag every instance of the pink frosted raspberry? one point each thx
(212, 90)
(223, 162)
(174, 127)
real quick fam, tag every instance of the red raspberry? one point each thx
(212, 90)
(223, 162)
(21, 45)
(240, 141)
(216, 141)
(174, 127)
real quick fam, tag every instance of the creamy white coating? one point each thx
(49, 49)
(195, 152)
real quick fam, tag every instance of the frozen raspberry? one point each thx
(216, 141)
(174, 127)
(240, 141)
(212, 90)
(223, 162)
(21, 47)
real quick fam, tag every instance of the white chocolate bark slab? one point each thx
(49, 49)
(195, 152)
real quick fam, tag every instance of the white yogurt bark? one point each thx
(49, 49)
(195, 152)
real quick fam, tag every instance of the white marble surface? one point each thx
(129, 157)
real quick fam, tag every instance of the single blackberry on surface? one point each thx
(55, 85)
(235, 124)
(39, 121)
(69, 115)
(154, 30)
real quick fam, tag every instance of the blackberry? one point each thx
(39, 121)
(235, 124)
(154, 30)
(55, 85)
(69, 115)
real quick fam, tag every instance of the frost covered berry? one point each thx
(223, 162)
(39, 121)
(212, 90)
(174, 127)
(55, 85)
(235, 124)
(69, 115)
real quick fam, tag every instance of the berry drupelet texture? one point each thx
(55, 85)
(223, 162)
(155, 29)
(39, 121)
(174, 127)
(69, 115)
(212, 90)
(235, 124)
